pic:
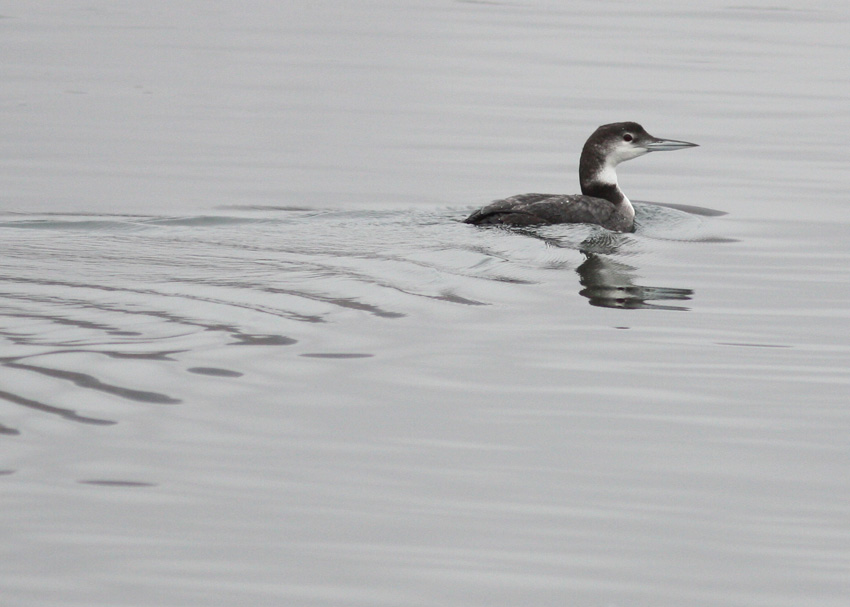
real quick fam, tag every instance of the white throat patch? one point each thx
(607, 175)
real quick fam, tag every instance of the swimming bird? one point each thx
(601, 201)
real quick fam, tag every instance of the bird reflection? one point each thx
(608, 284)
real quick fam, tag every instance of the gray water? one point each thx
(250, 356)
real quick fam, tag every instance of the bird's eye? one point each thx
(627, 137)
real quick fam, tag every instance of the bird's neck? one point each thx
(598, 176)
(600, 181)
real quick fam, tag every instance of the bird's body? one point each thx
(536, 209)
(601, 201)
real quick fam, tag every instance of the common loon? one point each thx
(601, 201)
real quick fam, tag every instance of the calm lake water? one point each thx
(250, 356)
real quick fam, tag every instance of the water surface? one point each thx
(249, 354)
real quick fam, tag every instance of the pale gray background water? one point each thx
(248, 355)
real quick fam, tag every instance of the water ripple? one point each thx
(154, 291)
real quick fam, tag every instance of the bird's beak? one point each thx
(667, 145)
